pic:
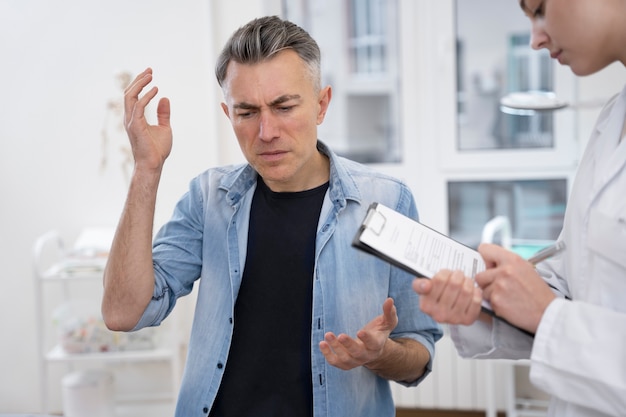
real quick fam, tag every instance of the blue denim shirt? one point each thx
(206, 239)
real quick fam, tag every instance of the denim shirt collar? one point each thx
(342, 186)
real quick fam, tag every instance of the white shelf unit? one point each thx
(50, 269)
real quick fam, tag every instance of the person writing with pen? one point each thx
(577, 351)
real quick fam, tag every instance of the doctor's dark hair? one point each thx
(261, 38)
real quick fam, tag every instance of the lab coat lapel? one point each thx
(609, 157)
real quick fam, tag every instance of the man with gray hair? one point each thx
(290, 319)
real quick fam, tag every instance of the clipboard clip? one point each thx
(375, 221)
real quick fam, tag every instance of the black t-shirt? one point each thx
(268, 373)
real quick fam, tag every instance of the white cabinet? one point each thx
(66, 280)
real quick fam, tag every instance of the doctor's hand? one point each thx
(449, 297)
(151, 144)
(513, 287)
(346, 352)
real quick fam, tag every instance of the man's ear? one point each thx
(324, 101)
(225, 109)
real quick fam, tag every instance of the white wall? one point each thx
(59, 59)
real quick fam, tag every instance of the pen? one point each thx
(547, 252)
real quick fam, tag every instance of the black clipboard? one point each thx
(413, 246)
(416, 248)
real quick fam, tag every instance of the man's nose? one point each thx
(268, 126)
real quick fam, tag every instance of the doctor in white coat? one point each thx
(574, 304)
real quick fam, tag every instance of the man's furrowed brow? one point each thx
(285, 98)
(278, 101)
(245, 106)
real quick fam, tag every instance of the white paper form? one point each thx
(416, 246)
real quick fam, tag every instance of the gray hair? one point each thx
(263, 37)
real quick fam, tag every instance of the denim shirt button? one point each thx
(205, 410)
(220, 365)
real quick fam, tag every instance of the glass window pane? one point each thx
(368, 36)
(495, 58)
(535, 208)
(360, 63)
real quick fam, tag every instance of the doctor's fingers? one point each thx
(495, 255)
(430, 291)
(452, 295)
(509, 266)
(501, 283)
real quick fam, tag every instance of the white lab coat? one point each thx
(579, 352)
